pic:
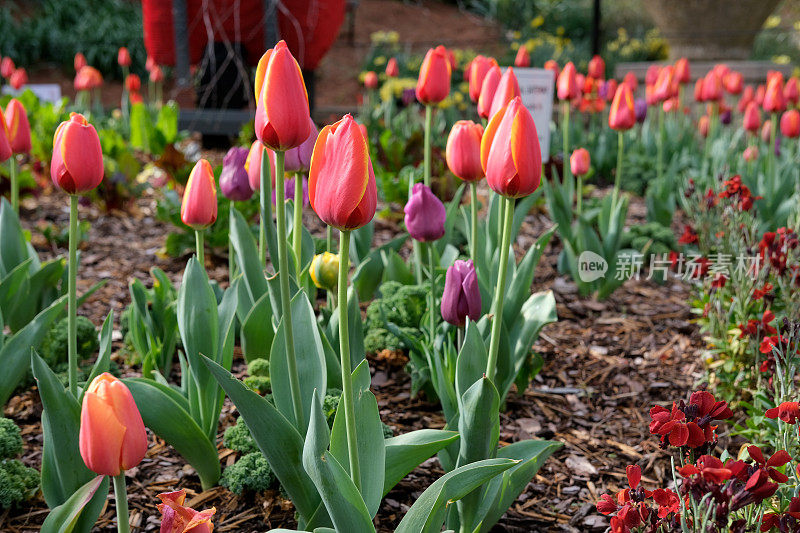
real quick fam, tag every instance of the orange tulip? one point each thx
(371, 80)
(79, 62)
(698, 90)
(123, 57)
(463, 152)
(112, 438)
(790, 91)
(510, 152)
(622, 115)
(77, 164)
(489, 87)
(480, 66)
(682, 73)
(597, 68)
(253, 165)
(392, 69)
(507, 89)
(341, 182)
(552, 66)
(774, 102)
(7, 67)
(579, 161)
(19, 129)
(19, 78)
(567, 83)
(177, 518)
(199, 205)
(5, 141)
(433, 84)
(523, 58)
(752, 118)
(703, 125)
(662, 90)
(790, 123)
(88, 78)
(282, 112)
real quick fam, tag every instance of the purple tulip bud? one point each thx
(288, 191)
(233, 179)
(725, 117)
(640, 109)
(299, 159)
(602, 91)
(425, 214)
(408, 96)
(461, 297)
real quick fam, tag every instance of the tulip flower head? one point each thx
(790, 124)
(734, 82)
(712, 87)
(341, 183)
(371, 80)
(176, 518)
(766, 131)
(392, 68)
(298, 159)
(567, 84)
(748, 95)
(253, 165)
(19, 129)
(324, 271)
(698, 90)
(112, 438)
(77, 163)
(461, 297)
(774, 101)
(622, 115)
(480, 66)
(79, 61)
(640, 109)
(133, 83)
(507, 89)
(463, 152)
(433, 84)
(662, 90)
(651, 76)
(791, 92)
(579, 162)
(149, 64)
(523, 57)
(19, 78)
(233, 180)
(510, 152)
(631, 81)
(425, 214)
(282, 111)
(597, 68)
(7, 67)
(5, 142)
(752, 118)
(123, 57)
(702, 126)
(156, 74)
(682, 72)
(750, 154)
(199, 205)
(88, 78)
(552, 66)
(490, 83)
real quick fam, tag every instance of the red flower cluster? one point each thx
(775, 245)
(765, 291)
(754, 327)
(689, 235)
(631, 508)
(786, 522)
(789, 412)
(689, 424)
(740, 193)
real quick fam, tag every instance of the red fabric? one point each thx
(309, 27)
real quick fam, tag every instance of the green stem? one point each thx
(427, 161)
(344, 355)
(329, 239)
(579, 195)
(773, 134)
(283, 275)
(12, 170)
(201, 248)
(473, 190)
(72, 340)
(121, 498)
(500, 290)
(501, 216)
(297, 227)
(618, 177)
(231, 261)
(262, 227)
(662, 133)
(432, 299)
(565, 131)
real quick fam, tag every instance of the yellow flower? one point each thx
(324, 271)
(538, 21)
(773, 22)
(560, 30)
(781, 60)
(380, 60)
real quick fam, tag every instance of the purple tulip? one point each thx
(640, 109)
(725, 117)
(425, 214)
(461, 297)
(233, 179)
(288, 191)
(299, 159)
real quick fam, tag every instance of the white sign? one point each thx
(536, 89)
(46, 92)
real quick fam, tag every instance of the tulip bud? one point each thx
(682, 73)
(156, 74)
(392, 68)
(750, 154)
(523, 57)
(461, 297)
(19, 78)
(136, 98)
(5, 142)
(734, 82)
(77, 163)
(463, 152)
(233, 180)
(579, 162)
(766, 131)
(510, 152)
(748, 95)
(341, 184)
(640, 109)
(199, 206)
(567, 83)
(507, 89)
(433, 84)
(698, 90)
(629, 80)
(608, 89)
(133, 83)
(791, 92)
(150, 64)
(175, 518)
(760, 91)
(790, 124)
(702, 126)
(7, 67)
(662, 90)
(752, 118)
(480, 66)
(425, 214)
(123, 57)
(371, 80)
(651, 75)
(490, 82)
(298, 159)
(19, 130)
(79, 61)
(552, 66)
(112, 438)
(712, 87)
(282, 111)
(622, 115)
(253, 165)
(774, 102)
(597, 68)
(324, 271)
(88, 78)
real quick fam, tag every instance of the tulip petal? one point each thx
(101, 436)
(526, 152)
(134, 445)
(82, 155)
(284, 101)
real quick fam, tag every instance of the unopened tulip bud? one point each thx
(177, 518)
(19, 129)
(424, 214)
(79, 61)
(597, 68)
(233, 180)
(479, 67)
(19, 78)
(752, 118)
(7, 67)
(507, 89)
(392, 68)
(123, 57)
(461, 297)
(463, 152)
(489, 87)
(567, 83)
(702, 126)
(199, 205)
(112, 437)
(133, 83)
(298, 159)
(734, 82)
(750, 154)
(622, 115)
(579, 162)
(790, 124)
(640, 109)
(433, 84)
(371, 80)
(77, 163)
(324, 271)
(523, 58)
(682, 73)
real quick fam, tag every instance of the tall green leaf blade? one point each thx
(256, 332)
(65, 517)
(13, 248)
(520, 286)
(247, 258)
(407, 451)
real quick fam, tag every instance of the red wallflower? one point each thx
(740, 193)
(789, 412)
(689, 235)
(760, 293)
(689, 424)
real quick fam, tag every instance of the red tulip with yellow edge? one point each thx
(622, 115)
(774, 101)
(790, 124)
(507, 89)
(433, 84)
(178, 518)
(282, 111)
(77, 163)
(5, 142)
(490, 82)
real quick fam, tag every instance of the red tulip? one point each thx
(579, 162)
(480, 66)
(774, 102)
(622, 115)
(176, 518)
(371, 80)
(750, 153)
(523, 58)
(490, 83)
(734, 82)
(766, 131)
(702, 126)
(88, 78)
(19, 78)
(79, 62)
(7, 67)
(552, 66)
(112, 438)
(156, 74)
(433, 84)
(133, 83)
(507, 89)
(77, 164)
(392, 69)
(282, 112)
(567, 83)
(150, 64)
(652, 74)
(748, 95)
(19, 130)
(597, 68)
(341, 182)
(199, 205)
(123, 57)
(463, 151)
(135, 98)
(790, 123)
(698, 90)
(712, 87)
(662, 90)
(5, 141)
(631, 81)
(790, 91)
(752, 118)
(760, 93)
(253, 165)
(580, 83)
(682, 73)
(510, 153)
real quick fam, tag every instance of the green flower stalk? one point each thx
(72, 339)
(500, 290)
(121, 499)
(297, 227)
(12, 170)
